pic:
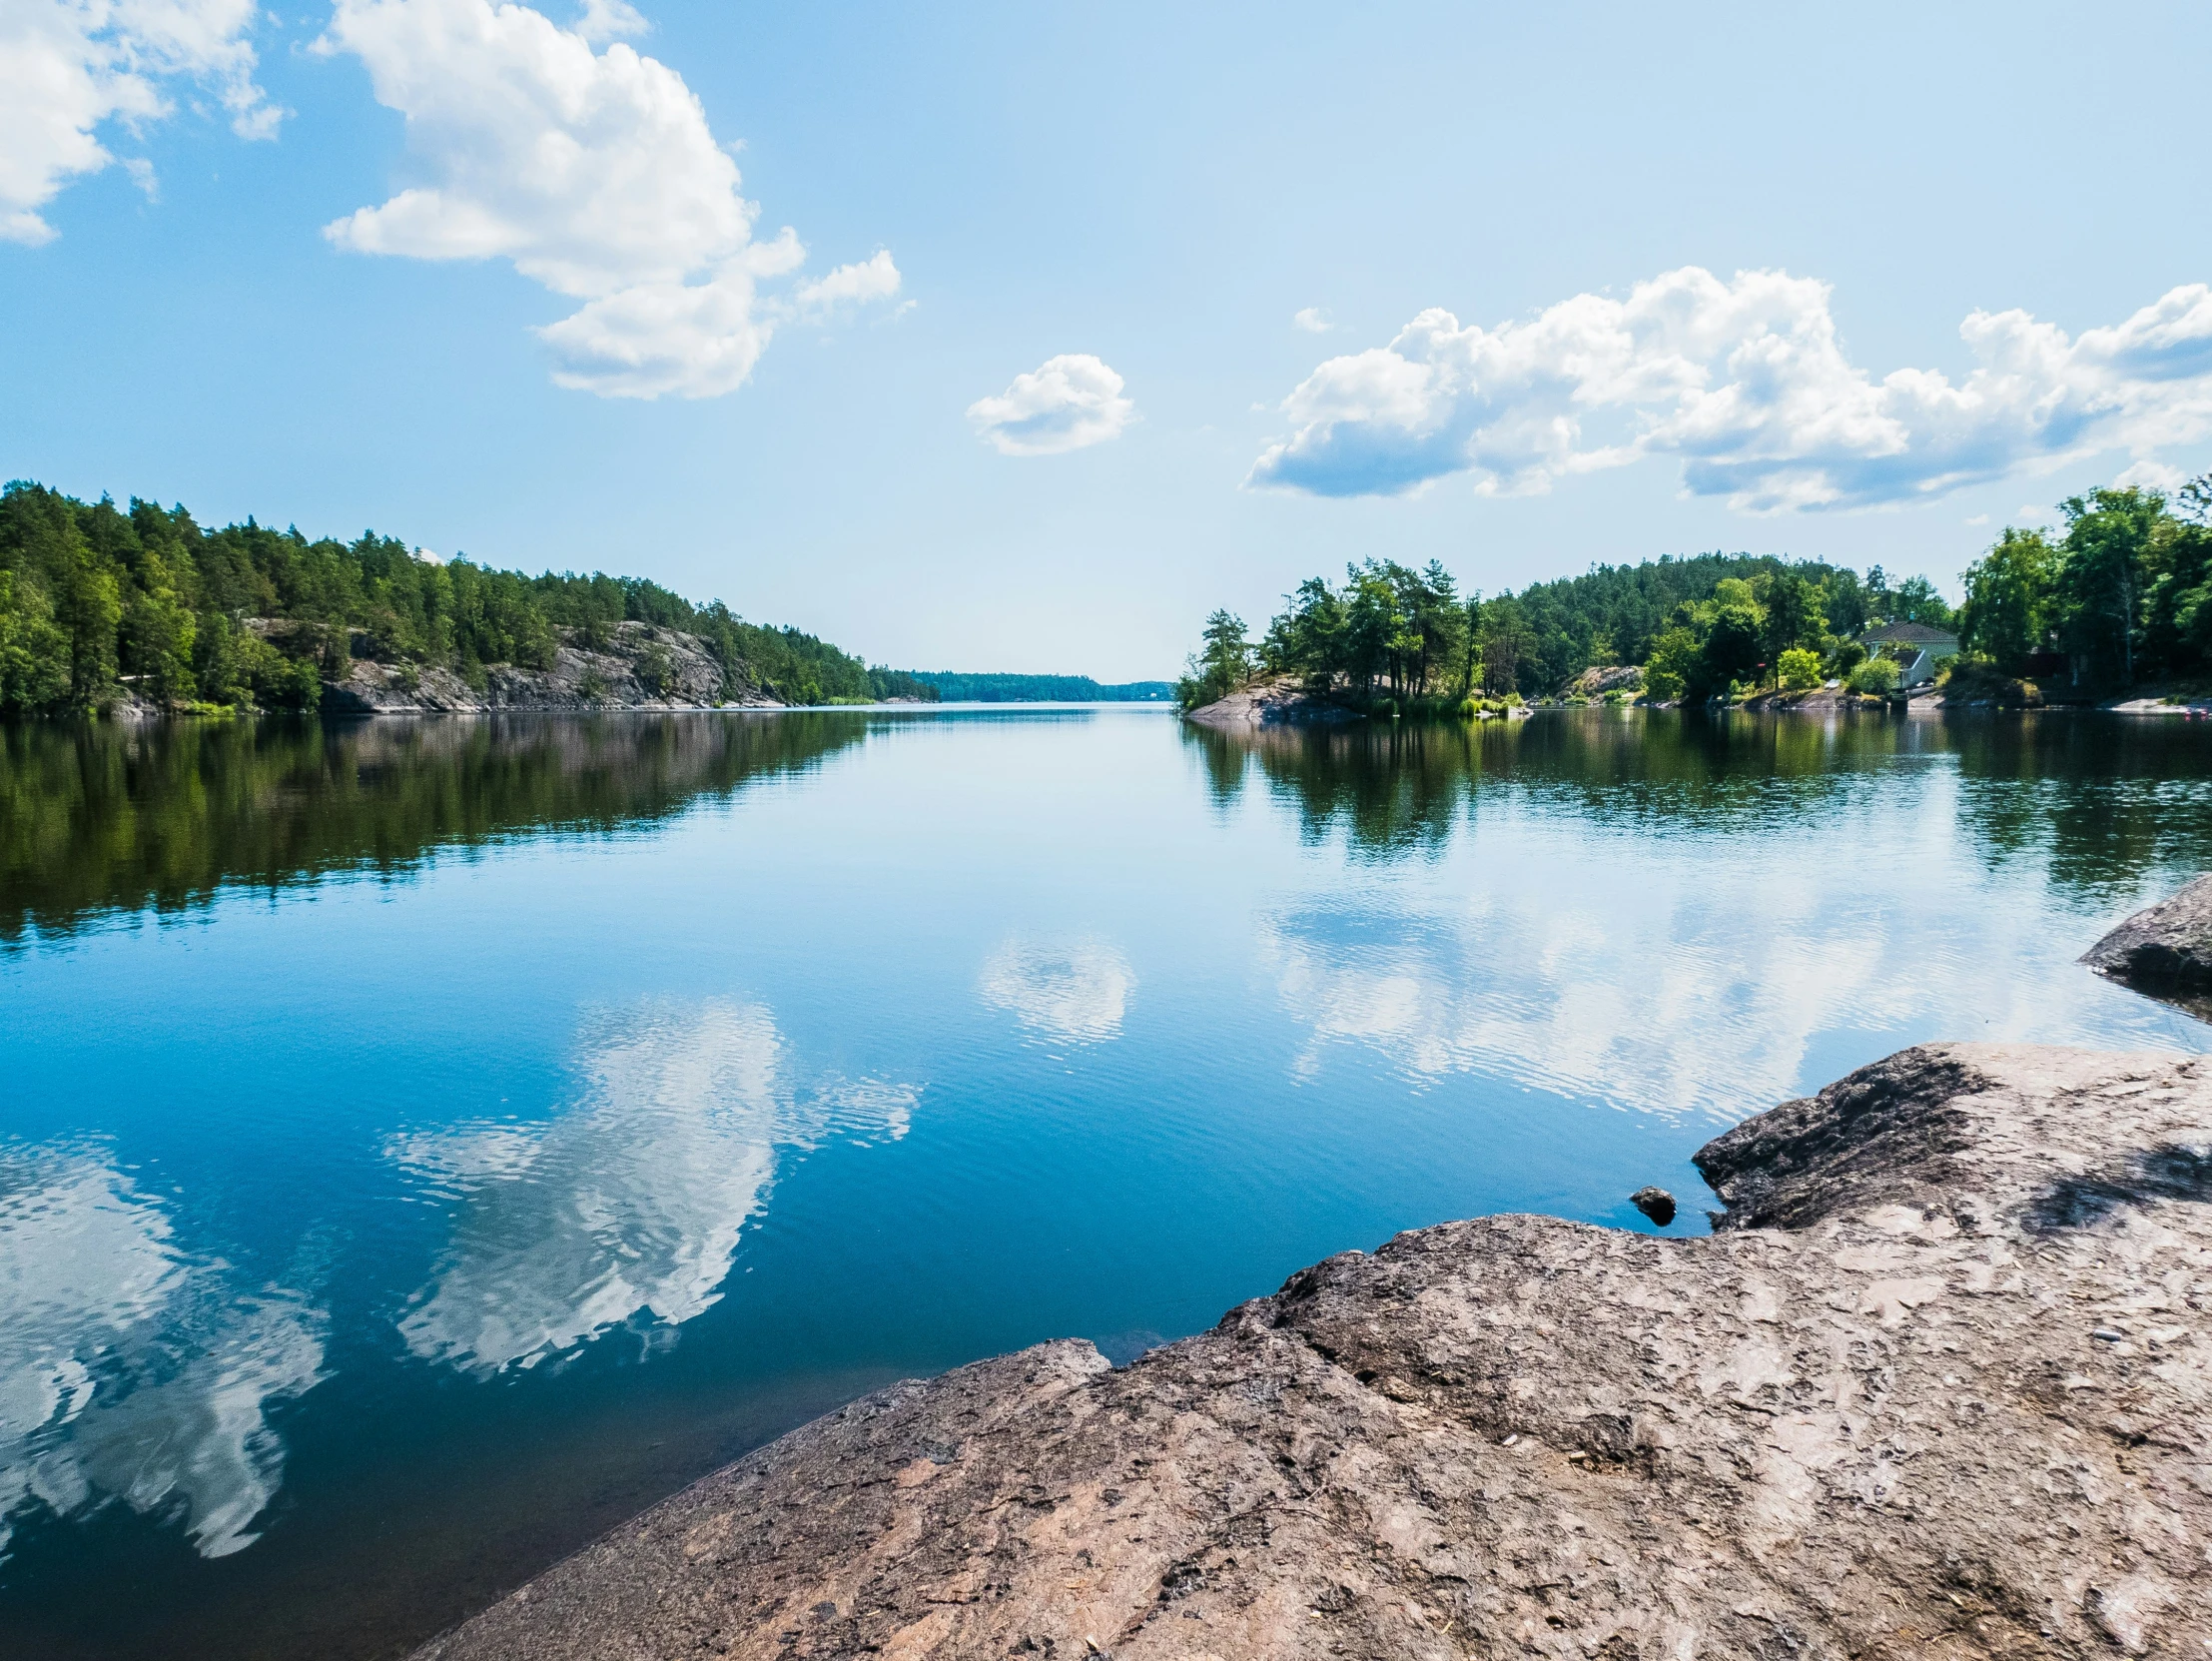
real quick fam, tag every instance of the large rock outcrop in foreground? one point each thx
(2165, 949)
(1938, 1388)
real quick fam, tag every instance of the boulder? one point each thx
(2165, 949)
(1938, 1384)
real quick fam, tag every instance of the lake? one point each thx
(423, 1143)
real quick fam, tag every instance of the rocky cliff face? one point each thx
(1600, 679)
(639, 667)
(1939, 1385)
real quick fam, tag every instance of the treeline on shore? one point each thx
(97, 600)
(955, 687)
(2121, 595)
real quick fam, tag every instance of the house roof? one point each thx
(1910, 634)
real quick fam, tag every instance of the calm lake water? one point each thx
(423, 1143)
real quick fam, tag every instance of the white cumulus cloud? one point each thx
(592, 168)
(1313, 319)
(1747, 384)
(70, 67)
(1066, 403)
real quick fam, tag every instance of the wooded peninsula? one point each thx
(98, 602)
(2119, 596)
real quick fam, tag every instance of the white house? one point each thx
(1917, 647)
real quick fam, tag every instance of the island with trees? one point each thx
(2115, 600)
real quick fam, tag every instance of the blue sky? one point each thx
(1594, 283)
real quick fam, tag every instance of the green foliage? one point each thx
(1801, 669)
(1387, 629)
(2010, 593)
(1222, 662)
(94, 601)
(2125, 593)
(1617, 613)
(1700, 625)
(1674, 661)
(1877, 675)
(2098, 585)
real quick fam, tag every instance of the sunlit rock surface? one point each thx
(1275, 703)
(637, 667)
(1936, 1388)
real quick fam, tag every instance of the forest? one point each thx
(96, 600)
(955, 687)
(2120, 593)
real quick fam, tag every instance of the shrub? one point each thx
(1799, 669)
(1876, 675)
(1847, 657)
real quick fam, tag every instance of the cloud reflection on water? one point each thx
(1640, 982)
(1074, 992)
(629, 1203)
(128, 1369)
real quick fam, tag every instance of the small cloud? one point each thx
(605, 20)
(2147, 475)
(1979, 518)
(1066, 402)
(1313, 319)
(2033, 511)
(875, 278)
(142, 174)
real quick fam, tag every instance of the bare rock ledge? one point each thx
(1280, 702)
(1938, 1388)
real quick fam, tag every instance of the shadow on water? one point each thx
(2098, 802)
(98, 819)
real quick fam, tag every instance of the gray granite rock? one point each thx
(1281, 701)
(637, 667)
(1940, 1386)
(2165, 949)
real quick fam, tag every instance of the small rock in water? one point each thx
(1656, 1203)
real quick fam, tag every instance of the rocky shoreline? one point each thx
(1939, 1383)
(1278, 701)
(637, 666)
